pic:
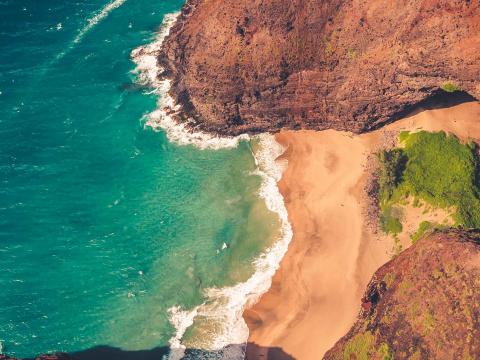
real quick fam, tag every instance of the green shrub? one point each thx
(449, 87)
(360, 347)
(363, 347)
(390, 221)
(433, 167)
(385, 352)
(422, 229)
(393, 163)
(442, 171)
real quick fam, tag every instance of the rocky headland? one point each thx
(256, 65)
(424, 304)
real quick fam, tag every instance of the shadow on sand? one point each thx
(253, 352)
(439, 100)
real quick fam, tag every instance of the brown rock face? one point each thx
(260, 65)
(424, 304)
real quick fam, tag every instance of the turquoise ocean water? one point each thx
(110, 234)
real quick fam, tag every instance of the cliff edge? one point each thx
(261, 65)
(424, 304)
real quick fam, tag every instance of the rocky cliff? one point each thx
(424, 304)
(257, 65)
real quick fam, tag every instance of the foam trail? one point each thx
(97, 18)
(148, 73)
(225, 306)
(102, 14)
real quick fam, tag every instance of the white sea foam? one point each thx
(223, 306)
(148, 72)
(181, 320)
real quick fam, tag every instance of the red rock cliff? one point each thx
(256, 65)
(424, 304)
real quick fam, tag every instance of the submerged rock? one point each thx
(256, 65)
(58, 356)
(424, 304)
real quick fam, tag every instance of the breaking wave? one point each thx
(148, 72)
(223, 307)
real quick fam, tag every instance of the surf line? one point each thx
(148, 73)
(91, 22)
(222, 306)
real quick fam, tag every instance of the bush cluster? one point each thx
(433, 167)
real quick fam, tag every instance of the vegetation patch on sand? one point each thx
(422, 229)
(434, 168)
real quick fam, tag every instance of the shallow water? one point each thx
(105, 225)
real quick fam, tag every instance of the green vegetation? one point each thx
(362, 347)
(390, 177)
(435, 168)
(422, 229)
(359, 347)
(393, 164)
(390, 221)
(428, 323)
(352, 53)
(384, 352)
(449, 87)
(388, 279)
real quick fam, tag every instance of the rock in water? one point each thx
(424, 304)
(257, 65)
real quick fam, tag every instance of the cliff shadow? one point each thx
(257, 352)
(107, 353)
(253, 352)
(439, 100)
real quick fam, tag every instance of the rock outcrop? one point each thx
(424, 304)
(58, 356)
(260, 65)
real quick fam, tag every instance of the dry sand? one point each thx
(316, 293)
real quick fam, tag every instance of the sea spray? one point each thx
(223, 307)
(148, 72)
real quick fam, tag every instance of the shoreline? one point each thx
(347, 205)
(227, 303)
(316, 294)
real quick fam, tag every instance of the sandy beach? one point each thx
(316, 293)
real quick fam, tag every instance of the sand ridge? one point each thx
(316, 293)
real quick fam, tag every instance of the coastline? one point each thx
(224, 306)
(316, 294)
(329, 219)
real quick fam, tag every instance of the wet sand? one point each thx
(316, 293)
